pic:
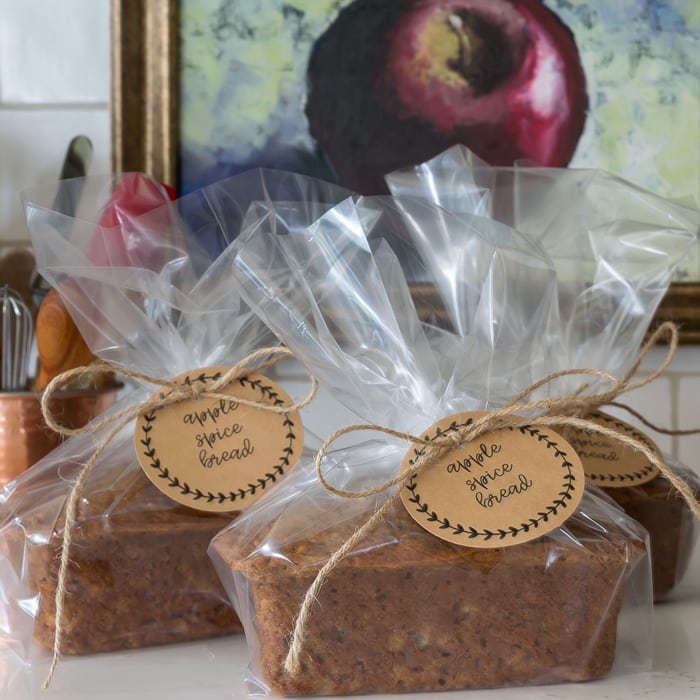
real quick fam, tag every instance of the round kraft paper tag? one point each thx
(506, 487)
(608, 462)
(219, 455)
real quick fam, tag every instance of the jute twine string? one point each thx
(654, 426)
(557, 412)
(119, 420)
(589, 404)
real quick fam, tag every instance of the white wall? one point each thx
(54, 84)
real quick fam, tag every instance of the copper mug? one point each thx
(24, 436)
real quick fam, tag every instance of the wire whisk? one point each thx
(16, 335)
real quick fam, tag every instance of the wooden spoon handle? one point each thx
(59, 344)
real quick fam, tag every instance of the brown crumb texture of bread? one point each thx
(432, 616)
(139, 574)
(671, 525)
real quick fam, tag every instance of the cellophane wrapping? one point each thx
(143, 280)
(615, 248)
(405, 610)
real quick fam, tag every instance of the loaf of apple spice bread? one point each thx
(407, 611)
(139, 574)
(672, 527)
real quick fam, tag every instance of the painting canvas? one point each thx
(349, 89)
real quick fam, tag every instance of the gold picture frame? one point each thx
(145, 87)
(145, 129)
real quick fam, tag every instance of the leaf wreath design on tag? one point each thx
(217, 454)
(610, 463)
(509, 486)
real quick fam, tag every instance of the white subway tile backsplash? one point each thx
(689, 417)
(673, 401)
(54, 52)
(655, 402)
(686, 359)
(33, 144)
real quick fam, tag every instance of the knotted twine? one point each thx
(178, 392)
(565, 411)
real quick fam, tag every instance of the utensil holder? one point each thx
(24, 436)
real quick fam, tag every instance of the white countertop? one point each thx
(215, 669)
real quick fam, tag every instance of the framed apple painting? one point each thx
(348, 90)
(353, 88)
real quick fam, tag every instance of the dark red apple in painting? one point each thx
(394, 82)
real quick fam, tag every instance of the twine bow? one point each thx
(177, 393)
(565, 411)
